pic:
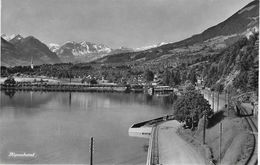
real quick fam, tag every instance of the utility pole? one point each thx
(208, 94)
(228, 102)
(253, 110)
(70, 75)
(91, 150)
(204, 128)
(213, 100)
(225, 97)
(220, 141)
(218, 102)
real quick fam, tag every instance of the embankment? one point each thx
(236, 142)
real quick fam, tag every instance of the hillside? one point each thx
(237, 65)
(213, 39)
(9, 54)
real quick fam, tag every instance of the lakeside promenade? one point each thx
(166, 147)
(173, 149)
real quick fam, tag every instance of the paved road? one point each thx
(173, 149)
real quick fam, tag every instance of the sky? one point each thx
(115, 23)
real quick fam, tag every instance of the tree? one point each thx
(149, 75)
(241, 81)
(93, 81)
(167, 77)
(191, 106)
(252, 82)
(10, 80)
(189, 86)
(192, 76)
(4, 71)
(177, 78)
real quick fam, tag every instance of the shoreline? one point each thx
(64, 88)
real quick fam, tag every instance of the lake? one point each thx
(56, 127)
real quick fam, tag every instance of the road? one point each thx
(173, 149)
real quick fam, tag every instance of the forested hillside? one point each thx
(237, 65)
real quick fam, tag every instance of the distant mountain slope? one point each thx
(238, 23)
(8, 38)
(150, 46)
(15, 39)
(9, 54)
(20, 51)
(214, 38)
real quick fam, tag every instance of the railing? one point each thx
(152, 121)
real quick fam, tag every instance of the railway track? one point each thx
(253, 159)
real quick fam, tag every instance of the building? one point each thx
(31, 63)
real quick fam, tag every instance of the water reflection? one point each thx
(149, 98)
(170, 99)
(70, 99)
(57, 126)
(25, 101)
(9, 93)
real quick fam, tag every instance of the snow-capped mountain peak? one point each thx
(85, 43)
(150, 46)
(53, 47)
(53, 44)
(72, 51)
(79, 49)
(8, 38)
(96, 48)
(69, 42)
(4, 36)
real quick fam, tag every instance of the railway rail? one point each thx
(253, 159)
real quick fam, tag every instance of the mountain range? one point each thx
(17, 50)
(70, 51)
(84, 51)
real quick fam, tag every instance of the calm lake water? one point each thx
(57, 126)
